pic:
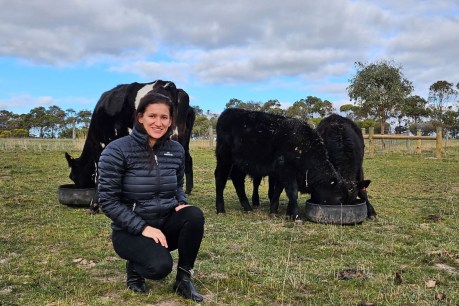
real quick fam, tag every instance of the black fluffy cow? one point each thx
(261, 144)
(113, 117)
(344, 142)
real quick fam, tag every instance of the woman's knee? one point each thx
(157, 270)
(194, 215)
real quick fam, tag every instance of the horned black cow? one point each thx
(344, 142)
(113, 117)
(261, 144)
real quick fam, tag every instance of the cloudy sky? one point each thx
(67, 53)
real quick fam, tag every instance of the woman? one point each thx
(141, 190)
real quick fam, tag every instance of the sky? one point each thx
(67, 53)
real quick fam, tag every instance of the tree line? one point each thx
(51, 122)
(380, 97)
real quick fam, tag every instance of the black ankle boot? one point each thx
(184, 287)
(134, 281)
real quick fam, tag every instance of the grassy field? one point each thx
(51, 254)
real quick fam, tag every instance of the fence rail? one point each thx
(371, 136)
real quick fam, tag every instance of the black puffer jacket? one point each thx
(136, 190)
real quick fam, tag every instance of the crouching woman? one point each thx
(141, 191)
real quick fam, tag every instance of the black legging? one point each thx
(183, 230)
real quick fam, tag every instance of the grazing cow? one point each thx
(344, 142)
(261, 144)
(113, 117)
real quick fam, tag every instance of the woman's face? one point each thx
(156, 120)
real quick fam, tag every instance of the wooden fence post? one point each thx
(211, 136)
(371, 143)
(418, 143)
(439, 145)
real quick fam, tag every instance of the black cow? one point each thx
(261, 144)
(113, 117)
(344, 142)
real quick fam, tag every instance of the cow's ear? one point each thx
(363, 184)
(69, 159)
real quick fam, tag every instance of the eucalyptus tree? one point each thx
(377, 88)
(298, 110)
(55, 119)
(415, 108)
(249, 105)
(441, 96)
(5, 119)
(71, 119)
(273, 107)
(84, 117)
(37, 117)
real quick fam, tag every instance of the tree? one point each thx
(84, 117)
(414, 107)
(377, 88)
(71, 119)
(55, 119)
(250, 105)
(441, 94)
(347, 109)
(273, 107)
(37, 118)
(298, 110)
(5, 119)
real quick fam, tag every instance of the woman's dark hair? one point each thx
(154, 98)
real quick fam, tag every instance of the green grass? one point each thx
(51, 254)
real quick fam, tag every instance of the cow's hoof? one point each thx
(372, 217)
(220, 212)
(248, 211)
(298, 220)
(92, 211)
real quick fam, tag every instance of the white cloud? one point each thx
(216, 42)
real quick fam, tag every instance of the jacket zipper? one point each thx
(158, 172)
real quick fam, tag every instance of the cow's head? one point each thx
(327, 186)
(82, 173)
(336, 191)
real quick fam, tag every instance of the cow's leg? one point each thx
(271, 186)
(221, 174)
(238, 178)
(371, 212)
(94, 205)
(276, 188)
(291, 188)
(188, 173)
(255, 193)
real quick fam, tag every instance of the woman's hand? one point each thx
(180, 206)
(155, 234)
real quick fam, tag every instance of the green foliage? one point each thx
(52, 122)
(5, 134)
(415, 108)
(441, 95)
(51, 254)
(378, 88)
(18, 133)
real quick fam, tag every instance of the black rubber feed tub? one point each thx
(70, 195)
(354, 213)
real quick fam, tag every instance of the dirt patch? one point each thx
(447, 268)
(351, 274)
